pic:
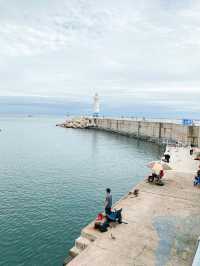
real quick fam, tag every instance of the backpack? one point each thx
(104, 226)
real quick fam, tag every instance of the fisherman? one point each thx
(108, 201)
(191, 150)
(167, 156)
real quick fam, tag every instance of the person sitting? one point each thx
(197, 178)
(167, 156)
(156, 177)
(115, 216)
(161, 174)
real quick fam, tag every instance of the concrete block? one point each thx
(82, 243)
(73, 252)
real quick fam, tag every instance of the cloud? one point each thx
(130, 51)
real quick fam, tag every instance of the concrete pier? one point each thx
(163, 223)
(154, 131)
(149, 130)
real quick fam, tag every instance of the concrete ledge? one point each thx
(74, 251)
(82, 243)
(163, 223)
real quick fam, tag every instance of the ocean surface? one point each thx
(52, 183)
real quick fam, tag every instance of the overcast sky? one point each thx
(130, 51)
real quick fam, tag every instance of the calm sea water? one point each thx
(52, 183)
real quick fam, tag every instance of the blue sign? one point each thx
(187, 122)
(95, 114)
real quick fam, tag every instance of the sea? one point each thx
(53, 181)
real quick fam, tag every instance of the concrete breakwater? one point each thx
(159, 132)
(162, 223)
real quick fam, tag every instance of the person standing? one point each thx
(108, 201)
(167, 156)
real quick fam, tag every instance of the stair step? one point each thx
(73, 252)
(67, 260)
(82, 243)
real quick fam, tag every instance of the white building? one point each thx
(96, 105)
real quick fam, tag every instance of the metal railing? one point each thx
(143, 119)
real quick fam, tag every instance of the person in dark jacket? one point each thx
(167, 156)
(108, 201)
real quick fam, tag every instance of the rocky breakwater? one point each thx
(82, 122)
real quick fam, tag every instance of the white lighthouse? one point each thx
(96, 105)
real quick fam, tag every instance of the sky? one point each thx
(138, 55)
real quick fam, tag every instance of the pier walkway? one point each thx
(163, 223)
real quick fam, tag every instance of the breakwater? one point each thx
(161, 132)
(161, 223)
(157, 219)
(158, 132)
